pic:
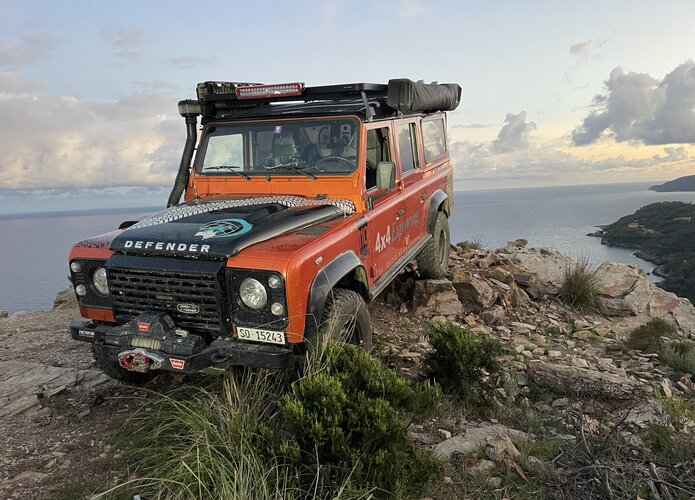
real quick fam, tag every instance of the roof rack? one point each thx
(404, 96)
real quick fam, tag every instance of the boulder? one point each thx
(473, 293)
(436, 297)
(584, 383)
(473, 438)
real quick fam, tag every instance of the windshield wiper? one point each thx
(293, 167)
(231, 168)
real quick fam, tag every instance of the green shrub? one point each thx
(580, 287)
(680, 356)
(346, 419)
(463, 363)
(647, 337)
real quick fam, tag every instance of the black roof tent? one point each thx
(402, 96)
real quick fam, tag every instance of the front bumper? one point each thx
(175, 353)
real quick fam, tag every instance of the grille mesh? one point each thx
(135, 291)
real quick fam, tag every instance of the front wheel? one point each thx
(433, 260)
(346, 319)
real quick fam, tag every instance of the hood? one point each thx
(219, 229)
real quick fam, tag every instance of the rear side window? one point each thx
(433, 139)
(407, 147)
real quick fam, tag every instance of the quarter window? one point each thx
(407, 147)
(433, 139)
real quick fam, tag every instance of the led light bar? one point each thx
(265, 91)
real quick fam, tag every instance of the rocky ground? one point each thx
(568, 376)
(57, 413)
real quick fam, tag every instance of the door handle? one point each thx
(400, 214)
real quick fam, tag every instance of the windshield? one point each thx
(297, 147)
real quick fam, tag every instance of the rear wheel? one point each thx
(346, 319)
(114, 370)
(433, 260)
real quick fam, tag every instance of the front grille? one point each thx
(135, 291)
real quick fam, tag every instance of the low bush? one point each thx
(647, 337)
(346, 419)
(463, 363)
(338, 432)
(580, 287)
(680, 355)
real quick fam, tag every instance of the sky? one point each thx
(554, 93)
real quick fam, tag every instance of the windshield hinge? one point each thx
(368, 111)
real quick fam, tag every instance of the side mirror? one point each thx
(385, 175)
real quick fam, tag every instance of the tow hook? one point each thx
(140, 360)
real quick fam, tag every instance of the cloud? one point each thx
(64, 142)
(184, 62)
(514, 135)
(126, 42)
(588, 49)
(12, 83)
(638, 107)
(471, 125)
(515, 159)
(30, 48)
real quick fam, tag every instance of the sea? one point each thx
(34, 247)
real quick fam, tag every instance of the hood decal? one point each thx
(224, 228)
(219, 229)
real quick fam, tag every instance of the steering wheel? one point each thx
(335, 157)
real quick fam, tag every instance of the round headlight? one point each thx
(75, 266)
(100, 281)
(81, 290)
(253, 293)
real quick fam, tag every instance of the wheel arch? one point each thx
(344, 271)
(439, 202)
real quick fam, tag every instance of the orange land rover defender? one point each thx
(300, 205)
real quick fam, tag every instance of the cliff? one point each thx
(686, 183)
(663, 233)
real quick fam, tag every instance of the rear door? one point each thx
(386, 242)
(416, 191)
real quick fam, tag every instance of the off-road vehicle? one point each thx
(301, 204)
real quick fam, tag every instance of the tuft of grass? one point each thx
(660, 439)
(473, 244)
(680, 356)
(580, 287)
(647, 337)
(463, 363)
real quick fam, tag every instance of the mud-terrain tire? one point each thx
(114, 370)
(346, 319)
(433, 260)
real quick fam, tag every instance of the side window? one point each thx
(224, 150)
(433, 139)
(407, 147)
(378, 149)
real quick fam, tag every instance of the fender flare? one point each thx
(323, 283)
(438, 201)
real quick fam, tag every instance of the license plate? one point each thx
(269, 336)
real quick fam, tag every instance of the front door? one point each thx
(386, 241)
